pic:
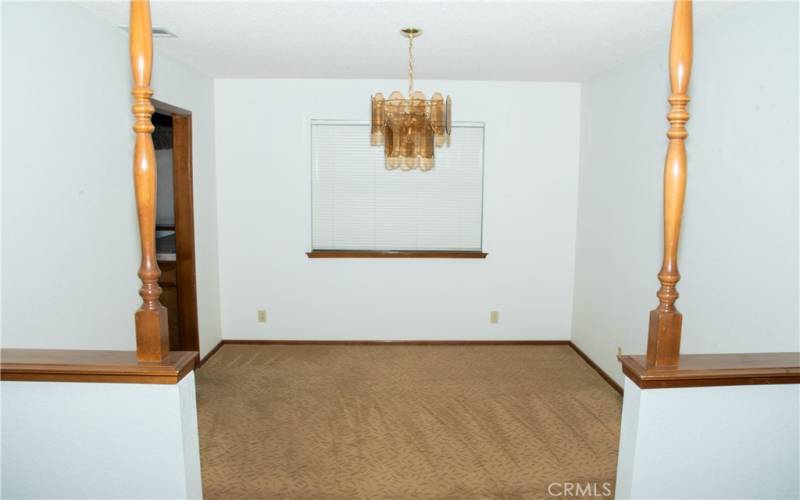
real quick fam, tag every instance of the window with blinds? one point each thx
(359, 205)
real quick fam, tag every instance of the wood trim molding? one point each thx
(392, 254)
(168, 109)
(709, 370)
(613, 383)
(182, 180)
(210, 353)
(73, 365)
(574, 347)
(377, 342)
(395, 342)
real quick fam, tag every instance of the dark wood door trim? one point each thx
(183, 197)
(184, 230)
(168, 109)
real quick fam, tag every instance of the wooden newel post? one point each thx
(664, 337)
(152, 336)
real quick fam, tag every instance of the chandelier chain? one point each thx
(410, 65)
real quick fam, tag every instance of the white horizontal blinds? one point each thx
(359, 205)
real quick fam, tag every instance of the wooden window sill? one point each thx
(709, 370)
(68, 365)
(394, 254)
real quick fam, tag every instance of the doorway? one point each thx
(175, 248)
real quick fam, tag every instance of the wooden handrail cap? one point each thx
(80, 365)
(707, 370)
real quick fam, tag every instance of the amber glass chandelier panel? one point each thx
(410, 127)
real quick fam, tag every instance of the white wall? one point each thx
(91, 440)
(70, 244)
(710, 442)
(262, 133)
(739, 243)
(1, 176)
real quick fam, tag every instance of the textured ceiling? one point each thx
(567, 41)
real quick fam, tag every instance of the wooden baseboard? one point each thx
(574, 347)
(594, 365)
(210, 353)
(395, 342)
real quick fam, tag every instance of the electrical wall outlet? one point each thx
(262, 316)
(494, 317)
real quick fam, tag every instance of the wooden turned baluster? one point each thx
(664, 337)
(152, 335)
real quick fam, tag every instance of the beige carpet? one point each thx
(403, 422)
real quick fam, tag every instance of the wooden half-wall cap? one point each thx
(708, 370)
(74, 365)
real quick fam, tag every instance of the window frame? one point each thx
(315, 253)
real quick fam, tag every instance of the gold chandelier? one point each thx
(409, 127)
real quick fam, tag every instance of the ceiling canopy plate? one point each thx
(411, 32)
